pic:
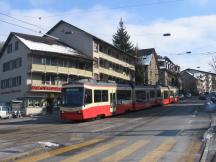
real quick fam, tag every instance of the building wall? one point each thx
(190, 84)
(111, 63)
(153, 71)
(8, 94)
(75, 38)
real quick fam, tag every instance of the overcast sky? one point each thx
(192, 23)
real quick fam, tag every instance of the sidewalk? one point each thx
(209, 153)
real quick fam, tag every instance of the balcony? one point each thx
(114, 60)
(60, 70)
(114, 73)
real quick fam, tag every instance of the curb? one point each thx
(208, 136)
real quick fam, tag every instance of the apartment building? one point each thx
(168, 72)
(197, 81)
(109, 63)
(147, 69)
(34, 68)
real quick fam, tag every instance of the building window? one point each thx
(11, 82)
(9, 48)
(16, 45)
(95, 47)
(13, 64)
(43, 61)
(101, 48)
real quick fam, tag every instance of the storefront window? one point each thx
(34, 102)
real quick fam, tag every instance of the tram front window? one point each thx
(72, 97)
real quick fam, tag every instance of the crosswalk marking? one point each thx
(125, 152)
(191, 152)
(62, 150)
(159, 152)
(94, 151)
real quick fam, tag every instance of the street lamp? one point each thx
(166, 34)
(188, 52)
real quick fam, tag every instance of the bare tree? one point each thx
(213, 63)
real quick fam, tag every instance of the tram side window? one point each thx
(158, 93)
(152, 94)
(166, 94)
(88, 96)
(97, 96)
(140, 96)
(100, 96)
(123, 95)
(104, 96)
(171, 93)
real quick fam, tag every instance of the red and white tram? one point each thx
(88, 99)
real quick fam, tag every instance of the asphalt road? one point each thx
(170, 133)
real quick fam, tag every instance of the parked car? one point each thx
(202, 96)
(5, 112)
(181, 96)
(188, 95)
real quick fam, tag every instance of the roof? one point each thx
(200, 71)
(44, 44)
(197, 74)
(146, 55)
(91, 35)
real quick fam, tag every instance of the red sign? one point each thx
(45, 88)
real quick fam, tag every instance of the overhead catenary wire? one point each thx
(4, 14)
(116, 8)
(196, 53)
(30, 29)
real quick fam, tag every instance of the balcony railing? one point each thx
(115, 74)
(60, 70)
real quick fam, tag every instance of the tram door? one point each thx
(112, 102)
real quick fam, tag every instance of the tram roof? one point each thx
(96, 83)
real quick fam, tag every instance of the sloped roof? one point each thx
(146, 55)
(45, 44)
(91, 35)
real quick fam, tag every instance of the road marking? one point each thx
(98, 130)
(125, 152)
(159, 152)
(190, 121)
(92, 152)
(191, 152)
(61, 150)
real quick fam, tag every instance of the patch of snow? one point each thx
(38, 46)
(49, 144)
(162, 67)
(161, 59)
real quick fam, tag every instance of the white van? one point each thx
(5, 112)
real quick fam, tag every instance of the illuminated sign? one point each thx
(45, 88)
